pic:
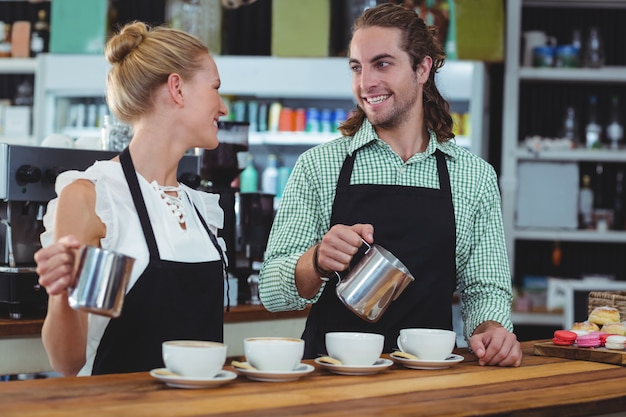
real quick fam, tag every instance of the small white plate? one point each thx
(380, 365)
(272, 376)
(453, 359)
(178, 381)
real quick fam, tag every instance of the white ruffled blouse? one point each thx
(114, 206)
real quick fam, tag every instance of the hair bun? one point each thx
(122, 44)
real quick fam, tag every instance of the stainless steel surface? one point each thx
(373, 283)
(20, 292)
(28, 173)
(9, 242)
(101, 281)
(27, 183)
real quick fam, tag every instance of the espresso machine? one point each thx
(27, 177)
(248, 217)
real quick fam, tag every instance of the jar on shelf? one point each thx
(115, 135)
(201, 18)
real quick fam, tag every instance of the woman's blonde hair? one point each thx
(418, 40)
(142, 58)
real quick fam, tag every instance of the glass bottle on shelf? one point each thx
(40, 36)
(585, 204)
(570, 126)
(269, 177)
(249, 177)
(577, 43)
(598, 188)
(24, 94)
(594, 51)
(593, 130)
(615, 129)
(5, 45)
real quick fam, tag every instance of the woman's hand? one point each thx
(55, 264)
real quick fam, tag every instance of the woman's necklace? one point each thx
(173, 202)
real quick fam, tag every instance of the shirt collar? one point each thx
(367, 134)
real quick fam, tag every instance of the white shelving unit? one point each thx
(19, 66)
(513, 153)
(72, 76)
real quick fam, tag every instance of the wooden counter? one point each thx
(542, 386)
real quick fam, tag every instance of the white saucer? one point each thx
(272, 376)
(380, 365)
(453, 359)
(178, 381)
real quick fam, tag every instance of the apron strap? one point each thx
(442, 168)
(346, 170)
(444, 176)
(219, 250)
(140, 205)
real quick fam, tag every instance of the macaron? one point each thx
(564, 338)
(602, 336)
(615, 342)
(588, 340)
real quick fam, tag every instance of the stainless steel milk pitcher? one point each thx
(101, 281)
(376, 280)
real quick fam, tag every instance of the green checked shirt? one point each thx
(482, 270)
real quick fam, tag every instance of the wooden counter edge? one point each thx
(237, 314)
(247, 313)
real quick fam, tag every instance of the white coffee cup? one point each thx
(427, 344)
(355, 348)
(194, 358)
(57, 140)
(273, 354)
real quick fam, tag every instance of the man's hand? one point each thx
(494, 345)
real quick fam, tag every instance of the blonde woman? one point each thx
(165, 84)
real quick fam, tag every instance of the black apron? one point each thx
(417, 225)
(170, 300)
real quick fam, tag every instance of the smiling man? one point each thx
(395, 178)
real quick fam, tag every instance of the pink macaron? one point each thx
(588, 340)
(602, 336)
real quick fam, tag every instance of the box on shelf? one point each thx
(16, 121)
(547, 195)
(479, 29)
(20, 39)
(536, 290)
(300, 28)
(78, 26)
